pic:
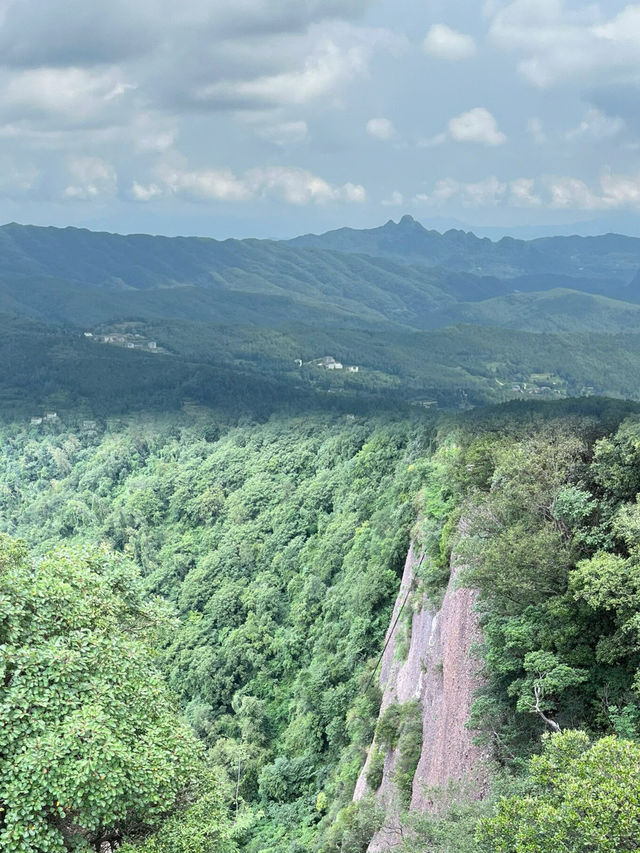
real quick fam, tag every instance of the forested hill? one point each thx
(420, 317)
(397, 274)
(276, 550)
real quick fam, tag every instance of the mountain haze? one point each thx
(420, 314)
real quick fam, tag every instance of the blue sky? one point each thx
(278, 117)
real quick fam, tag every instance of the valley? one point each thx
(305, 548)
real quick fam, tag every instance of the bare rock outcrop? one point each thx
(441, 672)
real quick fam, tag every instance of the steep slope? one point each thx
(440, 674)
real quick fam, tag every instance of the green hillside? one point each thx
(558, 310)
(276, 549)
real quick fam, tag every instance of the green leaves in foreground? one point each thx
(91, 746)
(580, 797)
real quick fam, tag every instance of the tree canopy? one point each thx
(92, 746)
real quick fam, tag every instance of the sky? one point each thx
(272, 118)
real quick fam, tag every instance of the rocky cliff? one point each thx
(440, 673)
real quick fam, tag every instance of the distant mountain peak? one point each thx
(406, 222)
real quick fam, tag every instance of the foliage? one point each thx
(91, 746)
(375, 770)
(579, 797)
(280, 543)
(388, 726)
(355, 826)
(409, 750)
(200, 826)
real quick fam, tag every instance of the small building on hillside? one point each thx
(353, 368)
(88, 334)
(152, 345)
(51, 416)
(329, 363)
(36, 421)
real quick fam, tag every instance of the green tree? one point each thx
(201, 827)
(579, 797)
(91, 745)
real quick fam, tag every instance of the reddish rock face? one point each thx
(442, 673)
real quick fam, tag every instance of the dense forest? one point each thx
(243, 574)
(234, 476)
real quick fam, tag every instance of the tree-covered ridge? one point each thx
(280, 546)
(244, 325)
(551, 543)
(236, 370)
(398, 276)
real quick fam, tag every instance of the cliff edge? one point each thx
(439, 677)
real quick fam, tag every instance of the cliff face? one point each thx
(441, 674)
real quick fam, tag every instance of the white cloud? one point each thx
(621, 190)
(333, 57)
(522, 193)
(597, 125)
(92, 177)
(614, 192)
(476, 125)
(299, 186)
(63, 68)
(381, 128)
(70, 95)
(216, 184)
(286, 133)
(396, 199)
(290, 184)
(77, 32)
(489, 192)
(557, 43)
(572, 193)
(444, 43)
(146, 193)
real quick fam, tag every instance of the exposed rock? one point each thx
(441, 673)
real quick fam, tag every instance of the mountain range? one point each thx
(389, 300)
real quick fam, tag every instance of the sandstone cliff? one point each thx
(440, 672)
